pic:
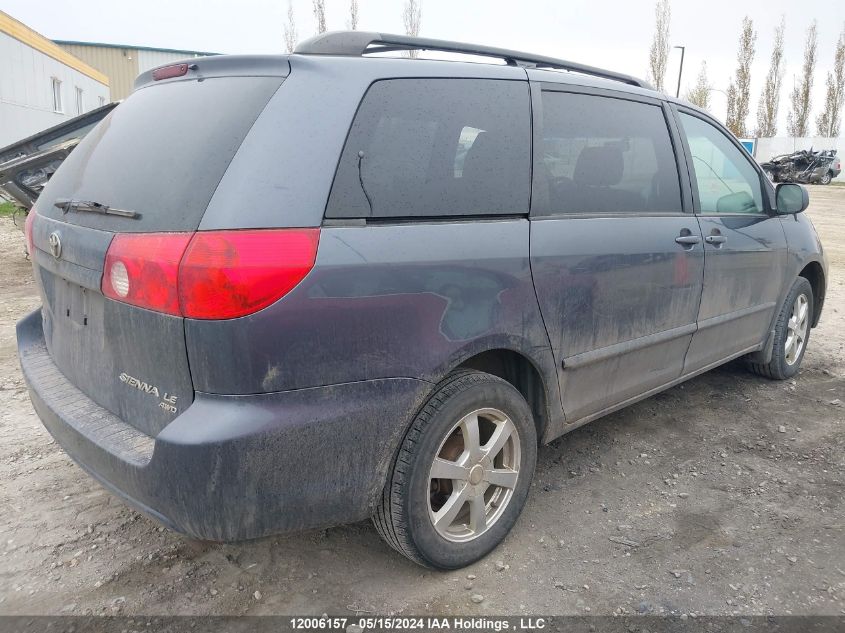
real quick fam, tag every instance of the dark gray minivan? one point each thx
(293, 291)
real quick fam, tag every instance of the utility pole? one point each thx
(681, 70)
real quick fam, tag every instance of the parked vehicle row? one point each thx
(372, 287)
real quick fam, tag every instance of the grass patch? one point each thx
(7, 209)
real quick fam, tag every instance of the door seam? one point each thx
(700, 295)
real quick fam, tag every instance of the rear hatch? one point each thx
(158, 156)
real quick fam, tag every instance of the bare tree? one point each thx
(731, 116)
(830, 121)
(797, 121)
(742, 81)
(767, 109)
(353, 15)
(290, 29)
(658, 55)
(700, 94)
(320, 15)
(412, 16)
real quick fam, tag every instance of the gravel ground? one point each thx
(720, 496)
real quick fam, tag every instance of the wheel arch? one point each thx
(814, 273)
(520, 371)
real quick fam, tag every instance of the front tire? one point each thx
(462, 474)
(792, 332)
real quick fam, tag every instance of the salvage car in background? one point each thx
(804, 166)
(26, 166)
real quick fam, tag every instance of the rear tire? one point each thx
(792, 332)
(826, 178)
(451, 521)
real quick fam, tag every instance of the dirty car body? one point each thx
(531, 254)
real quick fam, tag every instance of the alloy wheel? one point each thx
(796, 329)
(473, 475)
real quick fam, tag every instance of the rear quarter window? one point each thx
(436, 147)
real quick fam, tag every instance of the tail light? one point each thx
(226, 274)
(27, 230)
(208, 274)
(143, 269)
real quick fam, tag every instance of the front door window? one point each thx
(723, 176)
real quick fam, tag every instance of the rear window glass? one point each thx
(436, 147)
(161, 153)
(605, 155)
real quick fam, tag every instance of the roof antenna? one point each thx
(361, 180)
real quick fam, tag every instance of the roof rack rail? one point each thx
(358, 43)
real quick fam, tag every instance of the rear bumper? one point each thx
(234, 467)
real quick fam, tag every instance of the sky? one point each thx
(615, 34)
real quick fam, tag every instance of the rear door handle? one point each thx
(688, 240)
(715, 239)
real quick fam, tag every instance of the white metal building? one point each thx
(41, 84)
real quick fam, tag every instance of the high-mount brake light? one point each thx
(168, 72)
(208, 274)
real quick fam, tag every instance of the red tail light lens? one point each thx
(208, 274)
(27, 230)
(143, 269)
(227, 274)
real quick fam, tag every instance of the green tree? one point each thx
(830, 120)
(699, 95)
(290, 29)
(353, 15)
(658, 55)
(740, 87)
(412, 16)
(767, 109)
(320, 15)
(798, 119)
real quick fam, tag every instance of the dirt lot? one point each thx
(721, 496)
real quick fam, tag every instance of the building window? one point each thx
(57, 95)
(79, 107)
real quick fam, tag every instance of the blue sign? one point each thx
(749, 145)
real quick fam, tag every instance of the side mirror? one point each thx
(791, 198)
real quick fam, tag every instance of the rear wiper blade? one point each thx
(90, 206)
